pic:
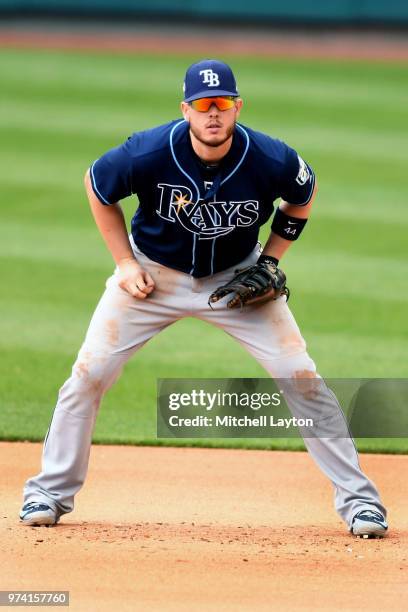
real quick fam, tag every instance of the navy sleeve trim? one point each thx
(297, 180)
(94, 187)
(310, 195)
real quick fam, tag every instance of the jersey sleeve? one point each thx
(113, 175)
(297, 179)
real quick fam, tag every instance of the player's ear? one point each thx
(185, 110)
(238, 106)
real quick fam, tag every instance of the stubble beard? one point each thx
(213, 143)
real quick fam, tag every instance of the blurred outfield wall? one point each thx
(320, 11)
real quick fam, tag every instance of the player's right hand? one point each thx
(134, 279)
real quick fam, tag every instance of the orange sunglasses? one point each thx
(223, 103)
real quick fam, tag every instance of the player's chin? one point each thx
(215, 140)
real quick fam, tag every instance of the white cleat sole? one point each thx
(369, 531)
(39, 520)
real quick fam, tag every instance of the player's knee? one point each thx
(299, 366)
(93, 374)
(296, 375)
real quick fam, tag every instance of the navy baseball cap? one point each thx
(207, 79)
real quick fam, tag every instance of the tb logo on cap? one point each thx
(210, 78)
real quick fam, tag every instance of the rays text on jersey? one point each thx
(208, 220)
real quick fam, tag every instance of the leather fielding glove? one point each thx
(260, 282)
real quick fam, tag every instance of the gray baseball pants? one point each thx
(122, 324)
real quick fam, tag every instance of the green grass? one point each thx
(60, 111)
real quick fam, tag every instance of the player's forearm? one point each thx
(276, 246)
(111, 223)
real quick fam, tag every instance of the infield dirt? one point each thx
(165, 529)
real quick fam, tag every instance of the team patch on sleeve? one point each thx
(297, 179)
(303, 174)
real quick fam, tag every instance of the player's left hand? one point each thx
(258, 283)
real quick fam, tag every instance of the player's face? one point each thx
(213, 127)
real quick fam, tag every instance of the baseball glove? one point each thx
(261, 282)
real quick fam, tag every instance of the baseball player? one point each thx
(205, 185)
